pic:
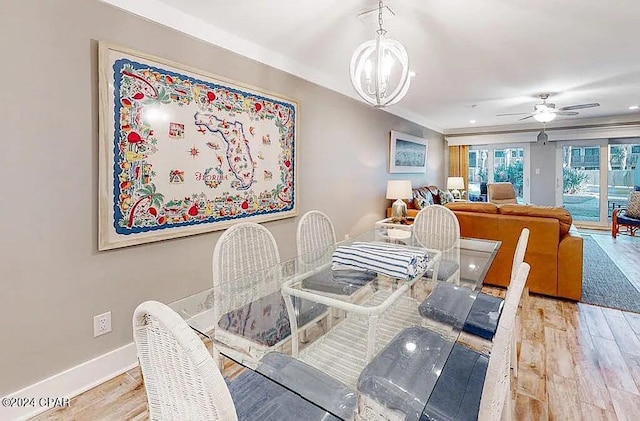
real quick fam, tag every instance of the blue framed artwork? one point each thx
(408, 154)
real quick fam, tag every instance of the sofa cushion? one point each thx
(624, 219)
(633, 208)
(481, 207)
(562, 215)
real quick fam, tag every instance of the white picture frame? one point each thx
(407, 153)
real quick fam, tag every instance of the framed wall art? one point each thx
(184, 152)
(408, 154)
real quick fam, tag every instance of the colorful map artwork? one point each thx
(189, 151)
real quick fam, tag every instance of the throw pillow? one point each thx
(421, 198)
(420, 202)
(633, 208)
(445, 197)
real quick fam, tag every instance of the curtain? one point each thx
(459, 163)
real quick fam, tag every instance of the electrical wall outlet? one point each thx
(101, 324)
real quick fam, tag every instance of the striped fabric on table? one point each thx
(387, 259)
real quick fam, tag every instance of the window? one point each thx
(473, 157)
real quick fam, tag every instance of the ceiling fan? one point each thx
(546, 111)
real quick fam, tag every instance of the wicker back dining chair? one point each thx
(436, 227)
(315, 232)
(314, 237)
(250, 312)
(448, 305)
(181, 381)
(496, 402)
(515, 292)
(471, 385)
(243, 249)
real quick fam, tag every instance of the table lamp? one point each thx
(455, 184)
(399, 189)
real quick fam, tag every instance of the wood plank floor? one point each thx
(576, 361)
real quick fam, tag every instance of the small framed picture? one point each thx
(408, 154)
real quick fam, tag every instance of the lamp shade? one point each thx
(399, 189)
(455, 183)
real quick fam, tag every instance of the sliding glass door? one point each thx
(623, 161)
(597, 177)
(499, 163)
(581, 181)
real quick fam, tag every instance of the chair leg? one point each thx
(330, 316)
(218, 359)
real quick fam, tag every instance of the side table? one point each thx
(394, 231)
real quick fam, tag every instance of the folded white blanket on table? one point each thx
(388, 259)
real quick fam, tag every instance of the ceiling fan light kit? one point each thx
(380, 69)
(546, 112)
(544, 116)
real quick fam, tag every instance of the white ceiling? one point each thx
(495, 54)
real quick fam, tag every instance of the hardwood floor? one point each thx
(576, 361)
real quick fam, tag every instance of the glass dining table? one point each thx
(341, 327)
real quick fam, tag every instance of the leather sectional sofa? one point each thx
(554, 250)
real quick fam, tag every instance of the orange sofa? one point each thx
(554, 250)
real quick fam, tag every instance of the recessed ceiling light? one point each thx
(633, 107)
(472, 121)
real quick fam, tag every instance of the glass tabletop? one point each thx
(340, 326)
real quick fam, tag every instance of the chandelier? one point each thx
(380, 69)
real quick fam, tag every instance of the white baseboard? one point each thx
(71, 382)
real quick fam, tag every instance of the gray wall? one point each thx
(543, 157)
(53, 278)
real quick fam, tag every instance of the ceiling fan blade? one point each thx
(501, 115)
(524, 118)
(579, 106)
(567, 113)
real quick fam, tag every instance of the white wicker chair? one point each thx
(496, 402)
(391, 400)
(315, 231)
(512, 295)
(436, 227)
(183, 383)
(315, 234)
(245, 249)
(181, 380)
(481, 307)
